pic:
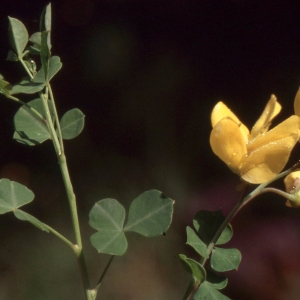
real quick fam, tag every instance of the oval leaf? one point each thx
(107, 216)
(54, 66)
(225, 236)
(208, 291)
(45, 52)
(30, 128)
(18, 36)
(194, 241)
(72, 123)
(45, 20)
(13, 195)
(150, 214)
(109, 242)
(26, 86)
(225, 259)
(35, 38)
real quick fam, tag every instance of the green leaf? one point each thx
(33, 50)
(30, 128)
(13, 195)
(45, 53)
(54, 66)
(110, 242)
(191, 266)
(72, 123)
(39, 77)
(194, 241)
(225, 259)
(27, 86)
(225, 236)
(18, 36)
(207, 223)
(218, 281)
(45, 20)
(22, 215)
(5, 87)
(150, 214)
(12, 56)
(35, 39)
(107, 216)
(207, 291)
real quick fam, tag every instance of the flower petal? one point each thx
(269, 153)
(262, 125)
(297, 103)
(221, 111)
(227, 142)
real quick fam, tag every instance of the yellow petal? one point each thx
(262, 125)
(269, 153)
(221, 111)
(227, 142)
(297, 103)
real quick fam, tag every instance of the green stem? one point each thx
(104, 273)
(279, 192)
(75, 220)
(50, 125)
(71, 198)
(56, 118)
(191, 290)
(58, 145)
(25, 67)
(193, 286)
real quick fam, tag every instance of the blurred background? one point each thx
(147, 74)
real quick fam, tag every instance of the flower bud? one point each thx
(292, 186)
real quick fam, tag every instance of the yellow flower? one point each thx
(292, 186)
(257, 156)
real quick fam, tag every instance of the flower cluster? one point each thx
(258, 155)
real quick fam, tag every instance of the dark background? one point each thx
(147, 74)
